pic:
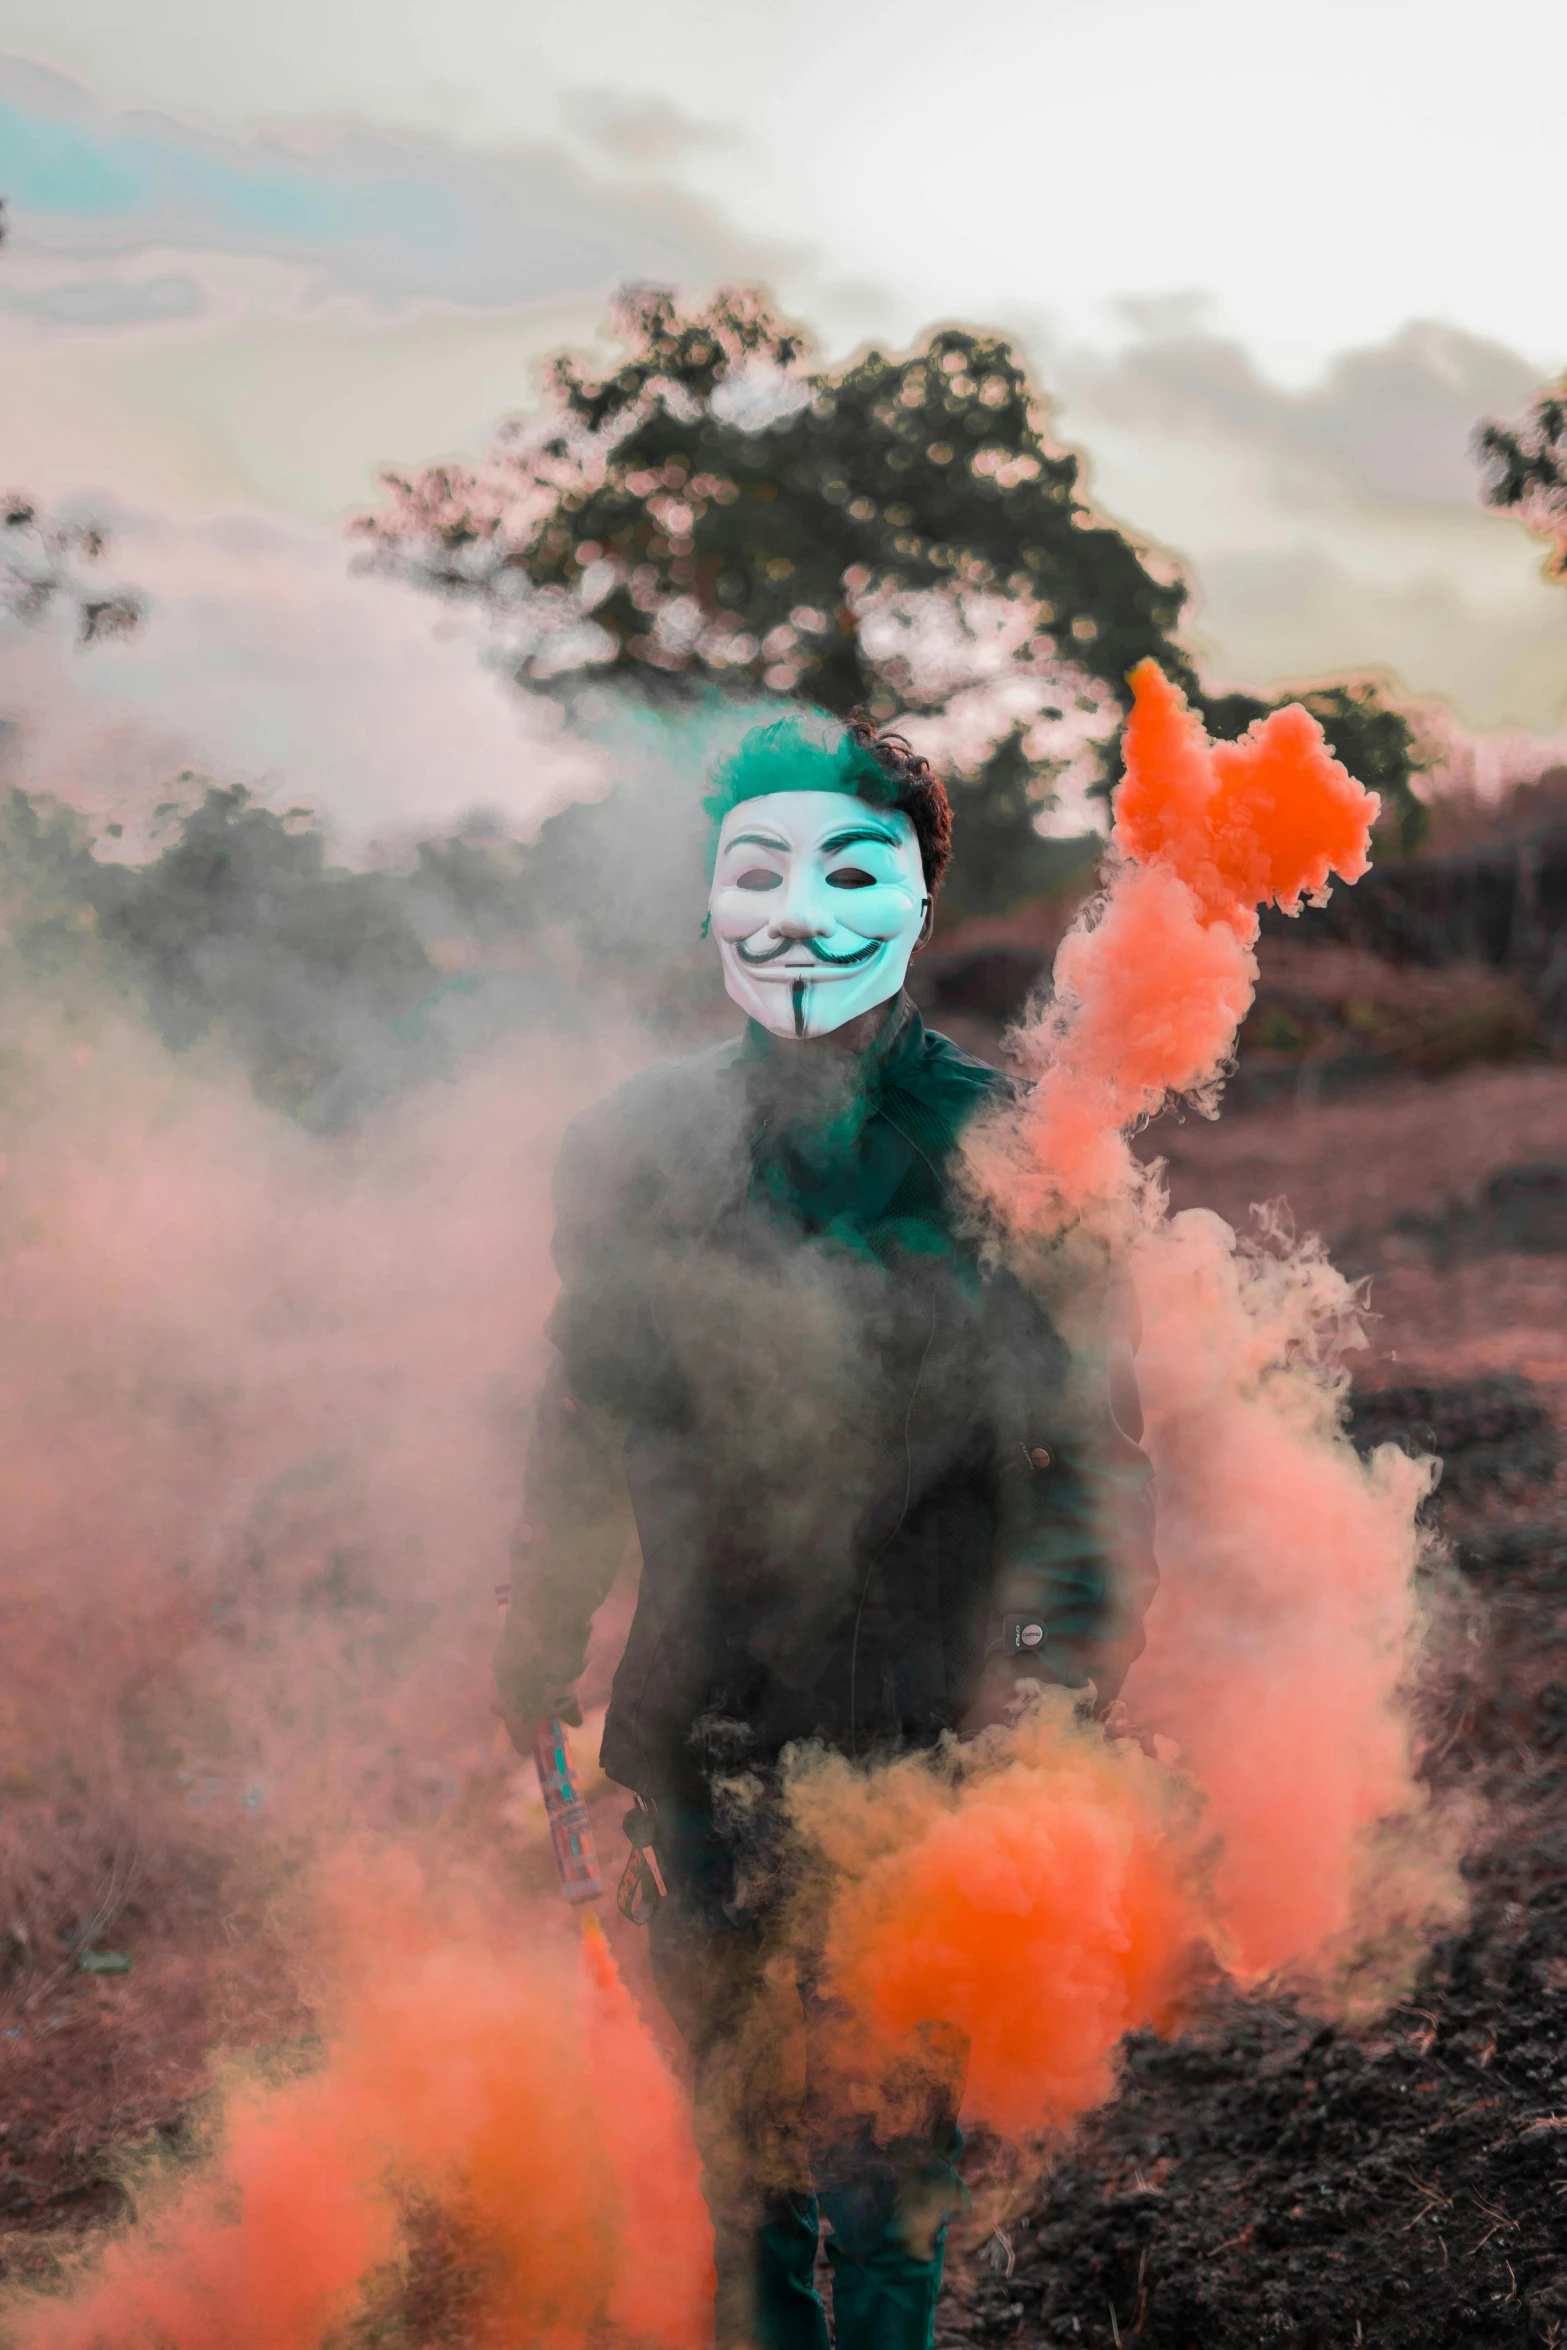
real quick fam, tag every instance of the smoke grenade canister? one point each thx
(575, 1854)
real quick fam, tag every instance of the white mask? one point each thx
(817, 903)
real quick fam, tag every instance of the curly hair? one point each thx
(917, 789)
(807, 751)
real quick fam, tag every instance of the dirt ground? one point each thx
(1264, 2178)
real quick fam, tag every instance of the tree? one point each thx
(742, 520)
(40, 559)
(41, 566)
(896, 534)
(317, 976)
(1525, 468)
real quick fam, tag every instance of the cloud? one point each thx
(1396, 417)
(109, 301)
(202, 318)
(1331, 526)
(198, 317)
(642, 132)
(395, 218)
(1496, 658)
(267, 660)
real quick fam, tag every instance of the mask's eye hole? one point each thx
(851, 877)
(758, 877)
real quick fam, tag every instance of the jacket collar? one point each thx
(892, 1053)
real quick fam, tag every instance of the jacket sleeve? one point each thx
(1075, 1528)
(577, 1513)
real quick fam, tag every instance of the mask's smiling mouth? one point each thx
(839, 962)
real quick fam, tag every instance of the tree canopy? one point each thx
(897, 535)
(712, 510)
(1525, 468)
(41, 566)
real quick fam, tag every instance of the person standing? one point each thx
(872, 1484)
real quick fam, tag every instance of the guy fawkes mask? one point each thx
(818, 901)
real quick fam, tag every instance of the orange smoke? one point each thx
(510, 2089)
(1286, 1622)
(1047, 1896)
(1035, 1906)
(1263, 821)
(262, 1399)
(1150, 994)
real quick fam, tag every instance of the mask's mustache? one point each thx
(843, 962)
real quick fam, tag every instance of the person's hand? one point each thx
(533, 1684)
(1117, 1723)
(524, 1720)
(522, 1728)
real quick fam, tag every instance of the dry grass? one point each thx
(1321, 1002)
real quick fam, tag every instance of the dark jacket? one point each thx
(859, 1464)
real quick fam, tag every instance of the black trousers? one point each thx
(789, 2132)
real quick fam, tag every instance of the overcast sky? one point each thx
(1327, 171)
(1271, 262)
